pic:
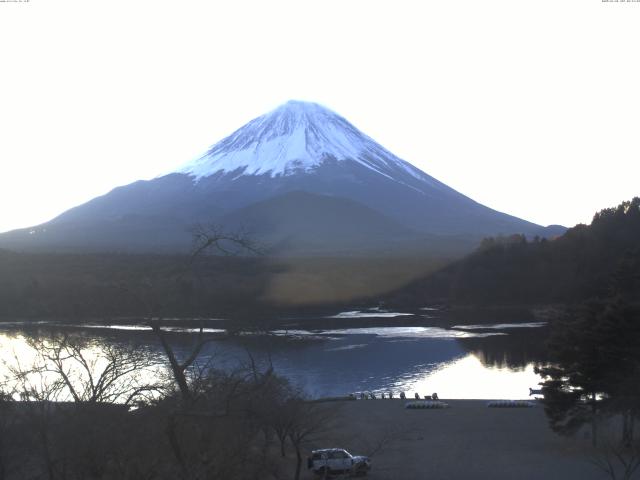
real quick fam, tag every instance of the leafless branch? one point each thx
(214, 238)
(617, 460)
(88, 373)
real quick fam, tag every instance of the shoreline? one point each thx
(318, 318)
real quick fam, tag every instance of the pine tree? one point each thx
(594, 369)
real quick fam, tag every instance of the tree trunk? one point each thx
(177, 369)
(175, 444)
(282, 445)
(46, 453)
(594, 429)
(298, 463)
(627, 428)
(2, 469)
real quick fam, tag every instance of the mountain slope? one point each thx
(303, 146)
(304, 222)
(298, 147)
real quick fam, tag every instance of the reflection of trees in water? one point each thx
(516, 350)
(312, 363)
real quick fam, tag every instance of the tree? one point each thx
(307, 421)
(92, 373)
(617, 460)
(179, 369)
(574, 267)
(190, 378)
(75, 400)
(11, 452)
(594, 369)
(206, 240)
(213, 238)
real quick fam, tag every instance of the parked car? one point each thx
(337, 460)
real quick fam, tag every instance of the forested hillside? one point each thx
(585, 262)
(78, 287)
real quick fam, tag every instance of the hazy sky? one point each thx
(530, 107)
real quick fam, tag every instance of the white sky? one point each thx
(530, 107)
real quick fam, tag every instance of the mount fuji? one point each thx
(300, 179)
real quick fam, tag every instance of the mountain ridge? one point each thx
(299, 146)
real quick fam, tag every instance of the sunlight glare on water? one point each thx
(469, 378)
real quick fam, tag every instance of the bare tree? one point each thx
(308, 420)
(195, 381)
(100, 381)
(89, 372)
(390, 434)
(206, 239)
(213, 238)
(37, 393)
(179, 369)
(11, 456)
(618, 460)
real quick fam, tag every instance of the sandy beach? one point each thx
(467, 440)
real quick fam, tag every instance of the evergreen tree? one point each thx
(594, 369)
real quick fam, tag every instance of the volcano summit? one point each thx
(301, 179)
(297, 137)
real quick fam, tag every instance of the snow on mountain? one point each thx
(303, 178)
(294, 138)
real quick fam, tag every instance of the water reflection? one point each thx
(393, 332)
(469, 377)
(516, 351)
(473, 362)
(500, 326)
(369, 314)
(363, 362)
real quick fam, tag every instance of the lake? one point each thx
(372, 350)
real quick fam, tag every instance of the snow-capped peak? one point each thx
(295, 137)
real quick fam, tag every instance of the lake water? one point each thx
(402, 352)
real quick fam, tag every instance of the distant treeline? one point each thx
(78, 287)
(586, 262)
